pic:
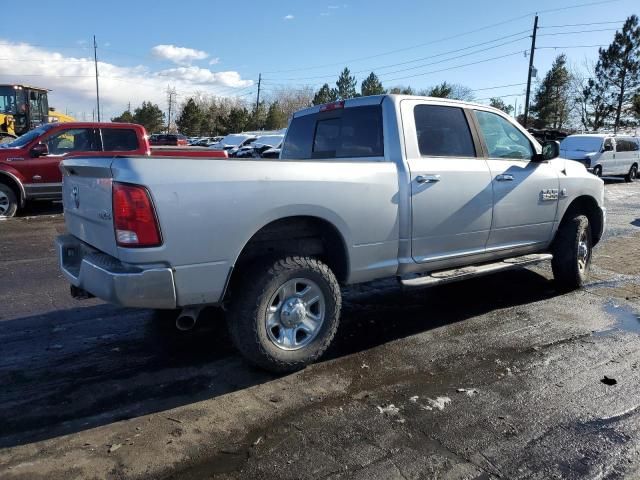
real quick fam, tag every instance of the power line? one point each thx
(454, 67)
(581, 24)
(444, 39)
(424, 58)
(570, 46)
(580, 31)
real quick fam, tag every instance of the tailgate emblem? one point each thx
(75, 195)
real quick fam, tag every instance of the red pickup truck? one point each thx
(29, 165)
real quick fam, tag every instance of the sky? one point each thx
(216, 47)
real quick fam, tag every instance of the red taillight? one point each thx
(134, 217)
(332, 106)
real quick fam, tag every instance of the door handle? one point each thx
(428, 178)
(504, 177)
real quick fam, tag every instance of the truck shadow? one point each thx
(71, 370)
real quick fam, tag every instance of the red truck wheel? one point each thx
(8, 201)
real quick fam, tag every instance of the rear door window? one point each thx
(443, 132)
(119, 140)
(342, 133)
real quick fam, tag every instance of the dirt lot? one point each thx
(500, 377)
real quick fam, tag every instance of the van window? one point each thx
(119, 140)
(342, 133)
(443, 132)
(626, 145)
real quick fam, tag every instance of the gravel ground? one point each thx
(499, 377)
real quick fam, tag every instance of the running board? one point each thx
(441, 277)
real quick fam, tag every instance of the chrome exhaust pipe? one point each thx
(188, 318)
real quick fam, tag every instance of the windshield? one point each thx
(27, 137)
(582, 144)
(270, 140)
(233, 140)
(8, 100)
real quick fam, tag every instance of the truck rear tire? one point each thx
(8, 201)
(633, 173)
(284, 312)
(572, 249)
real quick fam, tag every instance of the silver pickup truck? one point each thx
(425, 190)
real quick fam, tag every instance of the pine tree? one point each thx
(149, 116)
(498, 103)
(346, 85)
(258, 117)
(551, 102)
(276, 118)
(371, 86)
(635, 105)
(125, 117)
(443, 90)
(237, 120)
(189, 121)
(620, 64)
(402, 90)
(326, 94)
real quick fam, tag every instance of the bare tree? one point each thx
(292, 99)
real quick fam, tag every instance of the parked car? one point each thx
(233, 142)
(604, 155)
(207, 141)
(452, 190)
(271, 153)
(29, 165)
(259, 145)
(170, 139)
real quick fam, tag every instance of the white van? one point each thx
(604, 155)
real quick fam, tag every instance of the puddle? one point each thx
(627, 320)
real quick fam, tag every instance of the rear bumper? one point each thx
(111, 280)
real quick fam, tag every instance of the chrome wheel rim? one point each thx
(295, 314)
(4, 203)
(583, 252)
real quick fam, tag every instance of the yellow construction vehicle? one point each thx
(23, 108)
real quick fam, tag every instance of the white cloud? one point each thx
(72, 80)
(289, 17)
(214, 61)
(179, 55)
(324, 14)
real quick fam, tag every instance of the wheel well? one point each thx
(12, 183)
(303, 235)
(587, 206)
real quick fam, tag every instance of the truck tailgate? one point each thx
(86, 195)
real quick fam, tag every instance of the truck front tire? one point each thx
(572, 249)
(284, 312)
(8, 201)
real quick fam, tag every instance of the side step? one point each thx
(441, 277)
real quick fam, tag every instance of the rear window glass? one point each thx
(119, 140)
(343, 133)
(443, 132)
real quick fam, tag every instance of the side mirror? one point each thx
(607, 148)
(39, 150)
(550, 150)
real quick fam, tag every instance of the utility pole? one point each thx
(171, 94)
(95, 60)
(531, 53)
(258, 98)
